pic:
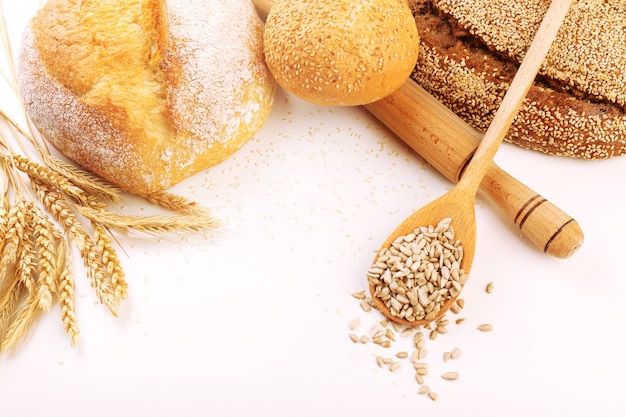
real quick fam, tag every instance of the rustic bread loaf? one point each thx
(471, 49)
(146, 93)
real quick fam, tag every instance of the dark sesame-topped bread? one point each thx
(471, 49)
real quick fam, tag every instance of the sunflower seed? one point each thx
(407, 332)
(395, 366)
(365, 306)
(450, 376)
(359, 295)
(489, 288)
(402, 355)
(424, 389)
(379, 361)
(485, 327)
(422, 353)
(354, 324)
(456, 352)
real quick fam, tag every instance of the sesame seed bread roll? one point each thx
(341, 52)
(146, 93)
(471, 49)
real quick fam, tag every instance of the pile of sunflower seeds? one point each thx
(419, 272)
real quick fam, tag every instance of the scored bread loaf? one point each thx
(471, 49)
(146, 93)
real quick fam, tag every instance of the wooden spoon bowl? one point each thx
(457, 205)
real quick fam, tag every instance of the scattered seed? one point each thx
(424, 389)
(447, 356)
(387, 361)
(364, 339)
(365, 306)
(419, 378)
(422, 353)
(397, 327)
(433, 335)
(402, 355)
(456, 352)
(379, 361)
(386, 344)
(485, 327)
(433, 395)
(359, 295)
(354, 338)
(395, 366)
(443, 322)
(489, 288)
(460, 302)
(459, 321)
(354, 324)
(377, 331)
(450, 376)
(407, 332)
(455, 309)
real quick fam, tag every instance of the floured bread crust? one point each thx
(146, 93)
(471, 50)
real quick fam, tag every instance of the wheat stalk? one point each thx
(44, 205)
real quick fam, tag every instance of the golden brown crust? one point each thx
(341, 52)
(558, 117)
(146, 94)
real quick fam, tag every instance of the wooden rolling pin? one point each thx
(447, 143)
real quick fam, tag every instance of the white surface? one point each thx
(255, 322)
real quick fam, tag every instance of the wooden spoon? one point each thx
(458, 204)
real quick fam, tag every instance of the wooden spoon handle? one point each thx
(516, 94)
(418, 119)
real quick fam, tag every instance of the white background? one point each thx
(254, 321)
